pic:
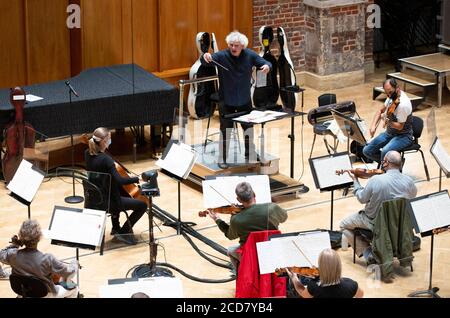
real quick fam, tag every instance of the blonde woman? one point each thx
(29, 261)
(98, 161)
(331, 284)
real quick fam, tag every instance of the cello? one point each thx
(199, 101)
(17, 135)
(266, 96)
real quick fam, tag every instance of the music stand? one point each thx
(349, 127)
(324, 170)
(442, 158)
(177, 162)
(430, 212)
(77, 228)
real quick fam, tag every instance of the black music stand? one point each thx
(349, 127)
(85, 230)
(428, 211)
(73, 198)
(324, 170)
(25, 183)
(151, 189)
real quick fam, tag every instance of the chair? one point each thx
(389, 231)
(250, 283)
(417, 126)
(28, 286)
(215, 102)
(321, 116)
(96, 198)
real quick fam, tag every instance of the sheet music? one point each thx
(179, 160)
(84, 227)
(226, 187)
(326, 167)
(284, 251)
(261, 79)
(154, 287)
(441, 156)
(26, 181)
(432, 212)
(258, 116)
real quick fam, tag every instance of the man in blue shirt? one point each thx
(234, 90)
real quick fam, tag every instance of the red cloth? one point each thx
(249, 283)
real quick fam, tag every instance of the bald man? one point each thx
(390, 185)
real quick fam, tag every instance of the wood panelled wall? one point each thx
(159, 35)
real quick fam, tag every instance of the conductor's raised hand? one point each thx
(207, 57)
(265, 68)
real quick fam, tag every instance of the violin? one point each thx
(361, 172)
(229, 209)
(17, 135)
(390, 111)
(312, 272)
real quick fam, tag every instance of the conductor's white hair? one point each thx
(236, 36)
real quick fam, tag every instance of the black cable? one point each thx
(194, 278)
(202, 254)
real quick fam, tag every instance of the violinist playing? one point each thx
(397, 116)
(331, 284)
(29, 261)
(98, 161)
(253, 217)
(387, 186)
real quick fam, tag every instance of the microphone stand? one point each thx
(73, 198)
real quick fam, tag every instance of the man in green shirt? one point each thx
(253, 217)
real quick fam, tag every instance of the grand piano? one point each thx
(116, 97)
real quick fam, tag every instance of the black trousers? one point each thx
(226, 125)
(138, 207)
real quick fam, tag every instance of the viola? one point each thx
(361, 172)
(229, 209)
(312, 272)
(390, 111)
(17, 135)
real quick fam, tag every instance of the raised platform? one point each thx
(206, 165)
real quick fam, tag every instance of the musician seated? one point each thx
(253, 217)
(390, 185)
(29, 261)
(397, 115)
(331, 283)
(98, 161)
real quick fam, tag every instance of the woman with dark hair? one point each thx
(98, 161)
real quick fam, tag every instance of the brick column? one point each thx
(328, 40)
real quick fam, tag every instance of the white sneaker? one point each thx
(4, 274)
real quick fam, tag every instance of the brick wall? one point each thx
(306, 32)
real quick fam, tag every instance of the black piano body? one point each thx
(116, 97)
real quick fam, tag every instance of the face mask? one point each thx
(394, 95)
(108, 143)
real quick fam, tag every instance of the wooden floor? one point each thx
(308, 211)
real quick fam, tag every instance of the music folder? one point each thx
(352, 128)
(80, 228)
(25, 182)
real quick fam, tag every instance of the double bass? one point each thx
(199, 98)
(266, 96)
(17, 135)
(287, 75)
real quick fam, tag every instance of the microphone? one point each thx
(72, 89)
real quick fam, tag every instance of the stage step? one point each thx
(408, 78)
(415, 100)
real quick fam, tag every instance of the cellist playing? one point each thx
(253, 217)
(98, 161)
(397, 116)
